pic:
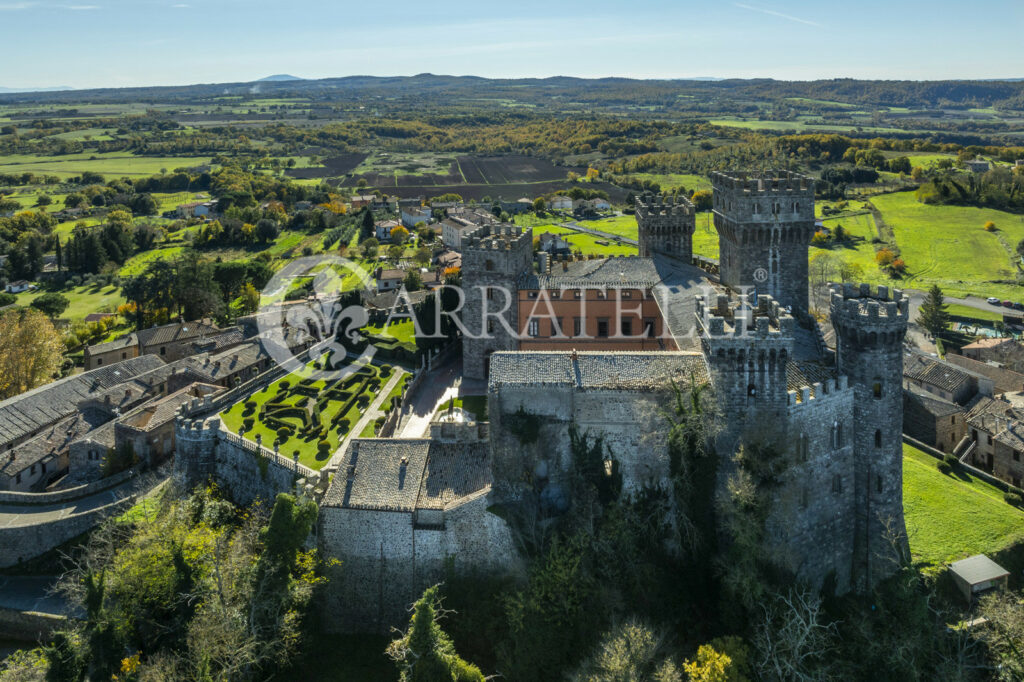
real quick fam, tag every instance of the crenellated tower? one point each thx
(493, 257)
(666, 226)
(765, 222)
(870, 326)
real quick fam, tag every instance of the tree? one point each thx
(425, 653)
(422, 256)
(52, 303)
(30, 351)
(933, 314)
(538, 204)
(395, 252)
(267, 230)
(249, 300)
(413, 281)
(366, 223)
(702, 200)
(44, 200)
(990, 226)
(1004, 633)
(369, 247)
(399, 235)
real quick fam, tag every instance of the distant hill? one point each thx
(59, 88)
(279, 77)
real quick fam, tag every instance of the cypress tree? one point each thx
(933, 315)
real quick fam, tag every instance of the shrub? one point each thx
(283, 433)
(1014, 498)
(952, 461)
(323, 447)
(819, 239)
(248, 423)
(342, 425)
(944, 468)
(990, 226)
(295, 454)
(284, 385)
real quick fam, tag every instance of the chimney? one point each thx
(565, 266)
(127, 393)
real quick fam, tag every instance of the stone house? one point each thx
(360, 200)
(382, 229)
(414, 215)
(942, 379)
(170, 341)
(1004, 380)
(1006, 352)
(452, 230)
(42, 459)
(388, 279)
(560, 202)
(978, 165)
(996, 431)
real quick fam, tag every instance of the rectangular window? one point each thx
(577, 294)
(626, 326)
(490, 294)
(577, 326)
(556, 294)
(532, 294)
(627, 294)
(163, 350)
(600, 293)
(533, 327)
(602, 327)
(490, 326)
(32, 470)
(990, 439)
(560, 331)
(17, 477)
(649, 328)
(1016, 456)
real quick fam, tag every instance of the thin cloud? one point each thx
(15, 6)
(772, 12)
(81, 8)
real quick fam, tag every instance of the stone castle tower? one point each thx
(765, 222)
(870, 326)
(666, 226)
(493, 258)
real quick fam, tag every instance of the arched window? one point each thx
(878, 438)
(837, 484)
(752, 390)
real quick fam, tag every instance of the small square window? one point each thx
(602, 328)
(533, 327)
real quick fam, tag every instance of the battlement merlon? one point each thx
(808, 395)
(729, 318)
(766, 183)
(657, 204)
(869, 306)
(501, 236)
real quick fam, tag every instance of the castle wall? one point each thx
(387, 562)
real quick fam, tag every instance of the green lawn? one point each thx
(404, 331)
(623, 225)
(957, 310)
(588, 243)
(955, 516)
(858, 250)
(137, 263)
(341, 402)
(475, 404)
(83, 300)
(669, 181)
(946, 245)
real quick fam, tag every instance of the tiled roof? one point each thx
(171, 333)
(375, 477)
(391, 474)
(622, 271)
(228, 337)
(935, 406)
(50, 443)
(126, 341)
(932, 371)
(594, 369)
(231, 361)
(800, 374)
(1003, 379)
(1000, 419)
(29, 411)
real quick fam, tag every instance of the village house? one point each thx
(360, 200)
(19, 286)
(553, 244)
(388, 279)
(978, 165)
(414, 215)
(197, 209)
(560, 202)
(1005, 352)
(382, 229)
(1003, 380)
(383, 203)
(453, 228)
(996, 431)
(169, 341)
(937, 397)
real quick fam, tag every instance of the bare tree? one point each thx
(792, 638)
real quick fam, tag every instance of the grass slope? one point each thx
(955, 516)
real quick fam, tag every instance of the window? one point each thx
(42, 468)
(99, 362)
(556, 294)
(802, 449)
(560, 321)
(627, 294)
(489, 265)
(990, 439)
(649, 328)
(577, 294)
(32, 470)
(952, 420)
(602, 327)
(532, 294)
(1016, 456)
(533, 327)
(757, 208)
(490, 293)
(163, 350)
(752, 390)
(124, 356)
(490, 326)
(876, 390)
(1016, 481)
(837, 484)
(577, 326)
(837, 435)
(878, 438)
(17, 477)
(626, 326)
(600, 293)
(878, 483)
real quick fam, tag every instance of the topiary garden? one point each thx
(310, 416)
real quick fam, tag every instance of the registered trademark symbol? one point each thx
(760, 275)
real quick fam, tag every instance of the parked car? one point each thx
(1007, 304)
(992, 300)
(1018, 306)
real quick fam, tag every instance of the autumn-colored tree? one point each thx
(30, 351)
(884, 257)
(990, 226)
(249, 300)
(593, 174)
(399, 235)
(702, 200)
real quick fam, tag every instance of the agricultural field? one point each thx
(311, 417)
(946, 245)
(953, 516)
(112, 165)
(671, 181)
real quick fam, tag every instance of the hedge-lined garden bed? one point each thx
(310, 416)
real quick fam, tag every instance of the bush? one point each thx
(944, 468)
(250, 405)
(283, 433)
(342, 425)
(1014, 499)
(323, 447)
(248, 423)
(284, 385)
(952, 461)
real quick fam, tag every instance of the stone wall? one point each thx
(387, 561)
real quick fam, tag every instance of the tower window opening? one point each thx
(878, 483)
(489, 265)
(878, 438)
(837, 484)
(752, 390)
(876, 390)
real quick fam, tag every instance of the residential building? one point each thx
(560, 202)
(996, 431)
(389, 279)
(169, 341)
(453, 228)
(382, 229)
(360, 200)
(19, 286)
(414, 215)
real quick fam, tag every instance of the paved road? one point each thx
(31, 593)
(16, 515)
(439, 386)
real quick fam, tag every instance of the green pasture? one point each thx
(953, 516)
(403, 330)
(137, 263)
(83, 300)
(705, 237)
(858, 250)
(622, 226)
(588, 243)
(946, 245)
(670, 181)
(964, 311)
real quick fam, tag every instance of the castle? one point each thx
(596, 345)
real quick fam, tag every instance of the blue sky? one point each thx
(112, 43)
